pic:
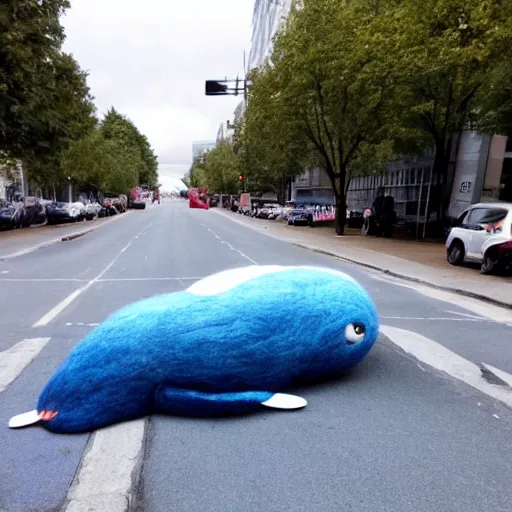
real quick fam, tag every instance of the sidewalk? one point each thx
(422, 262)
(17, 242)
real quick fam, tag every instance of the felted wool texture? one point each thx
(262, 335)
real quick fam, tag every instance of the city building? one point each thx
(266, 20)
(226, 131)
(199, 148)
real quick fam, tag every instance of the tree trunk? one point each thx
(341, 213)
(441, 165)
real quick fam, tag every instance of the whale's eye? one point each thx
(354, 333)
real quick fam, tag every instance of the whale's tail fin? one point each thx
(24, 420)
(172, 400)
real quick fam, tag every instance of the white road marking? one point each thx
(61, 306)
(222, 241)
(478, 307)
(39, 280)
(151, 279)
(108, 475)
(103, 280)
(439, 357)
(238, 251)
(14, 360)
(465, 315)
(48, 317)
(450, 319)
(81, 324)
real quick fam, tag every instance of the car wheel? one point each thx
(455, 254)
(488, 265)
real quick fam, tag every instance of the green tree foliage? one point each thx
(31, 37)
(217, 171)
(330, 101)
(47, 115)
(115, 126)
(266, 140)
(53, 120)
(450, 63)
(350, 84)
(104, 163)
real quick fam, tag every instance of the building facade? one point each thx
(199, 148)
(266, 20)
(226, 131)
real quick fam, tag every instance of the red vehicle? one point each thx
(198, 198)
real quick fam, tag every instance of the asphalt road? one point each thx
(395, 434)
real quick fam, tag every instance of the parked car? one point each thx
(497, 258)
(58, 212)
(302, 216)
(477, 233)
(7, 212)
(30, 212)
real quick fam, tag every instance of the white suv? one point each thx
(477, 230)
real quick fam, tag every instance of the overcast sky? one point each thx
(150, 60)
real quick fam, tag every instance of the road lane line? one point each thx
(495, 313)
(110, 469)
(465, 315)
(38, 280)
(14, 360)
(150, 279)
(450, 319)
(54, 312)
(439, 357)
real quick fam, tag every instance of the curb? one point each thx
(465, 293)
(66, 238)
(458, 291)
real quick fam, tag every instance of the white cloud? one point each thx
(150, 61)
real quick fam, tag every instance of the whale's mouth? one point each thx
(47, 415)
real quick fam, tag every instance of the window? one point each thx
(486, 215)
(462, 220)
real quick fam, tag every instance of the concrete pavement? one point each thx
(420, 262)
(401, 432)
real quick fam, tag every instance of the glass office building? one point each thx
(199, 148)
(266, 19)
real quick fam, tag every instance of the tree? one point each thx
(217, 171)
(119, 127)
(329, 94)
(104, 163)
(266, 142)
(53, 120)
(31, 37)
(449, 54)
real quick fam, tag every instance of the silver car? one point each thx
(477, 230)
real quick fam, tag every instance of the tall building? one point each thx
(266, 20)
(226, 131)
(200, 147)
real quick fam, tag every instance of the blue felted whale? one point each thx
(230, 343)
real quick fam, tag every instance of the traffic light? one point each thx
(240, 178)
(215, 88)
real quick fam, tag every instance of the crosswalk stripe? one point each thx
(14, 360)
(109, 473)
(439, 357)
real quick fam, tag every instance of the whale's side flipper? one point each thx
(171, 400)
(283, 401)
